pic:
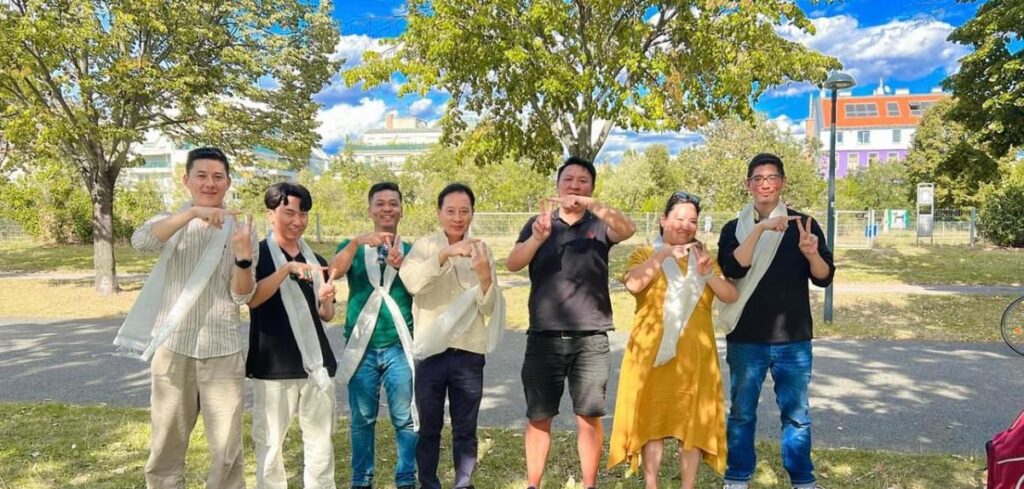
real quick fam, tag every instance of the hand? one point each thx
(542, 225)
(303, 271)
(327, 290)
(459, 248)
(481, 261)
(395, 255)
(214, 216)
(704, 267)
(808, 240)
(779, 223)
(576, 203)
(374, 239)
(241, 238)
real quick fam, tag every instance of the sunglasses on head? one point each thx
(687, 197)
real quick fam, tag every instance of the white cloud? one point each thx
(351, 48)
(788, 126)
(906, 49)
(346, 120)
(421, 106)
(791, 90)
(619, 141)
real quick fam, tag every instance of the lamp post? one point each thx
(836, 81)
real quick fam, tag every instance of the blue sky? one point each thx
(902, 43)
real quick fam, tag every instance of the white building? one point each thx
(162, 156)
(400, 138)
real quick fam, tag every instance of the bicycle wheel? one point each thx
(1012, 325)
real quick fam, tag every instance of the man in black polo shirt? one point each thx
(570, 313)
(290, 360)
(771, 252)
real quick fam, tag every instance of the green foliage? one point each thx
(881, 185)
(948, 154)
(1001, 218)
(640, 182)
(717, 170)
(133, 207)
(49, 204)
(550, 76)
(988, 89)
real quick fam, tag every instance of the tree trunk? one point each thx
(103, 236)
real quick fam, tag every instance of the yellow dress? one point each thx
(681, 399)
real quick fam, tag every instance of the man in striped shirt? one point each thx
(200, 365)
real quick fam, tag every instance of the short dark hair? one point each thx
(765, 159)
(380, 187)
(679, 198)
(455, 188)
(206, 153)
(576, 160)
(278, 193)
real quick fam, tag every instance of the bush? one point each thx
(132, 206)
(1001, 218)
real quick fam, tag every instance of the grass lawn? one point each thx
(60, 446)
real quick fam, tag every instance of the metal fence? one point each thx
(854, 229)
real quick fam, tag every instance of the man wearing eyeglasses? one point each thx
(771, 252)
(570, 313)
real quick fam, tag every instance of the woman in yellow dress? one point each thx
(670, 385)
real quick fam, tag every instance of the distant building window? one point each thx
(918, 108)
(872, 157)
(839, 137)
(864, 137)
(897, 135)
(893, 156)
(853, 161)
(892, 109)
(861, 110)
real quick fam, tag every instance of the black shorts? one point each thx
(585, 361)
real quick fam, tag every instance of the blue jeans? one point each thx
(790, 365)
(387, 365)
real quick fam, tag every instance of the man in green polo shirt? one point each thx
(378, 330)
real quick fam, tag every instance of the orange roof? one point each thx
(852, 105)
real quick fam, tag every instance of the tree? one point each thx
(948, 154)
(881, 185)
(550, 76)
(82, 81)
(716, 171)
(988, 89)
(641, 182)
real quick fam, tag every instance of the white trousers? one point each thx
(275, 404)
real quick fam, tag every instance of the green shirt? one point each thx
(359, 291)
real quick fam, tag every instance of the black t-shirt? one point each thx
(569, 276)
(779, 309)
(273, 353)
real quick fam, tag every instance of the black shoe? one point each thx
(361, 487)
(410, 486)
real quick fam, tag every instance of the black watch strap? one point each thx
(243, 264)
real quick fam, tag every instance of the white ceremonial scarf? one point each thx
(764, 253)
(139, 334)
(299, 316)
(456, 320)
(681, 299)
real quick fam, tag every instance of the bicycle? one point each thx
(1012, 325)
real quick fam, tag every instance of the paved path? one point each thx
(905, 396)
(517, 281)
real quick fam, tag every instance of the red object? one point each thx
(1006, 457)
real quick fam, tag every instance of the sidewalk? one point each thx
(906, 396)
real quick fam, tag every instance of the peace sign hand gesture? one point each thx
(808, 240)
(241, 238)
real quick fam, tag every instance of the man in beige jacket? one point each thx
(457, 316)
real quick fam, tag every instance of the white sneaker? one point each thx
(815, 486)
(735, 485)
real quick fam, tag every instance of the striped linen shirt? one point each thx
(212, 327)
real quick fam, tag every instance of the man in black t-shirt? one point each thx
(570, 313)
(290, 360)
(771, 252)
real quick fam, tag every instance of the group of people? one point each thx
(421, 317)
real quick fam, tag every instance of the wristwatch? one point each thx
(243, 264)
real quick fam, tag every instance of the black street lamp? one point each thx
(836, 81)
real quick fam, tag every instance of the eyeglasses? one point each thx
(687, 197)
(772, 179)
